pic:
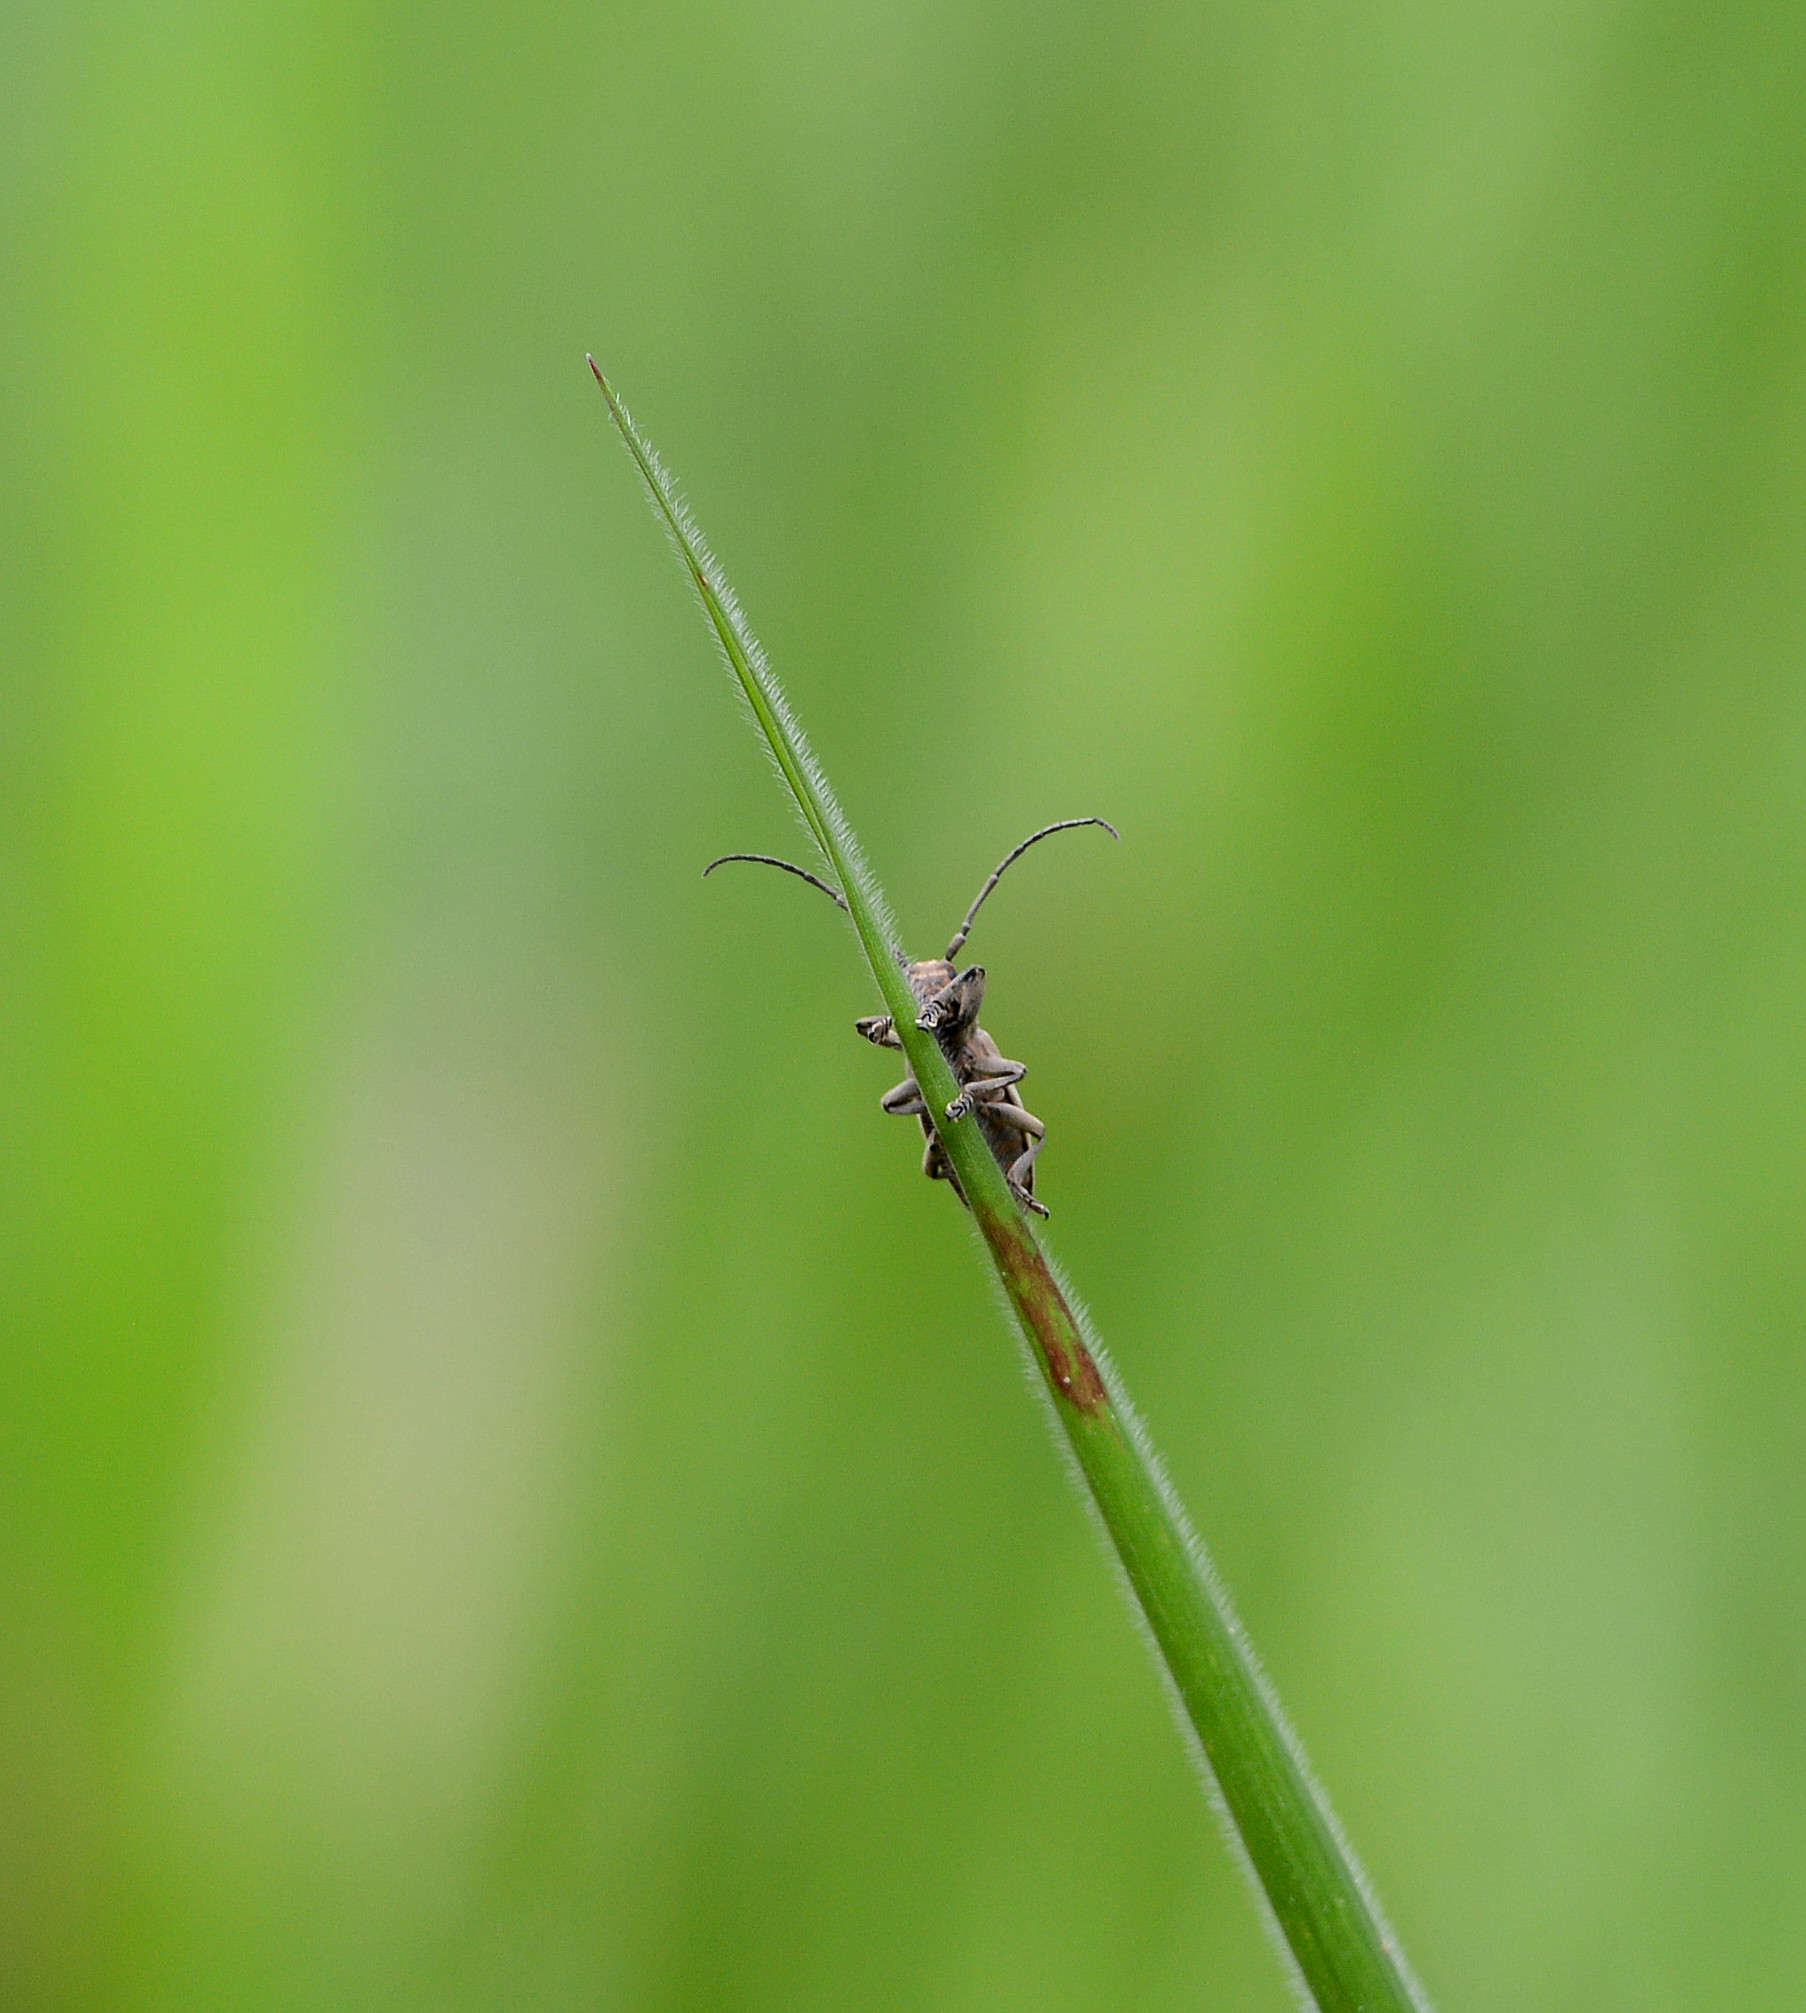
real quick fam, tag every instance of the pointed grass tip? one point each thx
(608, 390)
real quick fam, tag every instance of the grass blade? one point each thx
(1343, 1956)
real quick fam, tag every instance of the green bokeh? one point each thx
(512, 1496)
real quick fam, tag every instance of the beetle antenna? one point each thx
(802, 873)
(1009, 859)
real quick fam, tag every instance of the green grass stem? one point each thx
(1344, 1957)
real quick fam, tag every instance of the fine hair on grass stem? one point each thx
(1339, 1950)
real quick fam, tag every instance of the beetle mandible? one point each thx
(948, 1001)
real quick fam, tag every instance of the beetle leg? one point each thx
(1021, 1172)
(997, 1078)
(1004, 1113)
(935, 1163)
(879, 1029)
(959, 996)
(941, 1007)
(905, 1100)
(1022, 1177)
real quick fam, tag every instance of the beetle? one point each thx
(947, 1001)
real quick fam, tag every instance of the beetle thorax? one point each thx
(927, 978)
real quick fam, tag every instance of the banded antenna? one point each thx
(1009, 859)
(802, 873)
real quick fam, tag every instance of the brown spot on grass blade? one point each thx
(1036, 1295)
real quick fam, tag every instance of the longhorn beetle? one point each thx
(949, 1000)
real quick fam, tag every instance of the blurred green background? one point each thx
(513, 1494)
